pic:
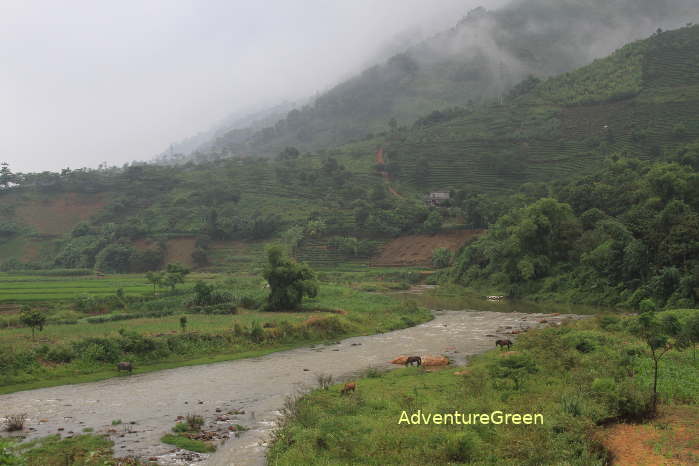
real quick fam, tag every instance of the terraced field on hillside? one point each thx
(500, 146)
(32, 288)
(321, 254)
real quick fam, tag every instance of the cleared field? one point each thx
(418, 249)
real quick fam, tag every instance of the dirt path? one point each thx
(670, 439)
(148, 404)
(381, 161)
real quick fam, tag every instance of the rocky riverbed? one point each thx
(135, 411)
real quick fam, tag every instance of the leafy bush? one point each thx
(441, 258)
(207, 295)
(85, 303)
(97, 350)
(462, 447)
(214, 309)
(288, 280)
(194, 421)
(60, 354)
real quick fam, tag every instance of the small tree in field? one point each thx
(174, 274)
(289, 281)
(651, 331)
(33, 319)
(183, 323)
(155, 278)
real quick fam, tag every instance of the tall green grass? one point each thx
(579, 376)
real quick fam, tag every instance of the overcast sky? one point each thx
(82, 82)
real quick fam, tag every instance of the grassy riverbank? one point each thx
(88, 351)
(81, 450)
(581, 377)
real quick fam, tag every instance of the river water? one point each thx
(249, 392)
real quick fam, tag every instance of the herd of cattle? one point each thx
(350, 386)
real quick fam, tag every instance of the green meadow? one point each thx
(580, 377)
(89, 328)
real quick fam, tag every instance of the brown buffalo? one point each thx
(349, 387)
(413, 360)
(125, 366)
(503, 343)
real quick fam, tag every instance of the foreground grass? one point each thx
(88, 352)
(579, 377)
(81, 450)
(181, 441)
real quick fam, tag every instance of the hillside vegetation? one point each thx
(341, 205)
(483, 56)
(624, 234)
(641, 101)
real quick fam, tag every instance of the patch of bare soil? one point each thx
(143, 244)
(417, 249)
(180, 250)
(9, 308)
(31, 250)
(670, 439)
(59, 214)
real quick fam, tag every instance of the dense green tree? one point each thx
(289, 281)
(433, 222)
(6, 175)
(114, 258)
(32, 318)
(155, 278)
(174, 275)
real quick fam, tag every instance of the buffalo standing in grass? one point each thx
(413, 360)
(503, 343)
(349, 387)
(125, 366)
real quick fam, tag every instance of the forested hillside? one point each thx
(640, 101)
(479, 59)
(626, 233)
(638, 106)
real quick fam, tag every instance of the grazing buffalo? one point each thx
(125, 366)
(349, 387)
(503, 343)
(413, 360)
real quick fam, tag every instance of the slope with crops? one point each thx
(640, 101)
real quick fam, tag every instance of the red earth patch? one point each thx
(417, 249)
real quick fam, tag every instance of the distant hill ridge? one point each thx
(642, 101)
(482, 57)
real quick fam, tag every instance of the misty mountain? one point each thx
(195, 147)
(482, 57)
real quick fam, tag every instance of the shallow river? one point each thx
(148, 404)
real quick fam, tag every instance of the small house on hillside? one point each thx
(437, 198)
